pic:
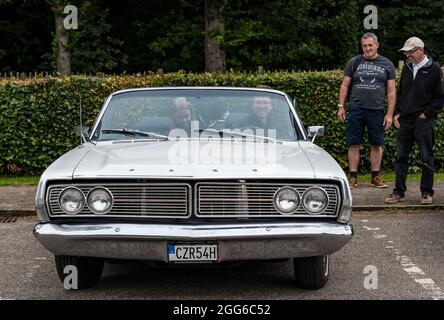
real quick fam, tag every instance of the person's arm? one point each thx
(438, 100)
(343, 91)
(391, 100)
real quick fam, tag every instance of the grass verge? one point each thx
(19, 181)
(390, 177)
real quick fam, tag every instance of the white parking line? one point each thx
(407, 264)
(371, 229)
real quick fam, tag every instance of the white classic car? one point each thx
(195, 175)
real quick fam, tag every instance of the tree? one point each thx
(165, 34)
(290, 34)
(25, 33)
(93, 48)
(63, 60)
(402, 19)
(215, 57)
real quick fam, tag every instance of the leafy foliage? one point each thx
(291, 34)
(25, 31)
(92, 46)
(37, 117)
(399, 20)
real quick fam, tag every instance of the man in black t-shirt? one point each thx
(368, 79)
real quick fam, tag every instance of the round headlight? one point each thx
(100, 200)
(286, 200)
(315, 200)
(71, 200)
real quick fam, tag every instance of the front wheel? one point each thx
(79, 272)
(311, 272)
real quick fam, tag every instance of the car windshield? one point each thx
(197, 113)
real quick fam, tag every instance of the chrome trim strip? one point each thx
(244, 241)
(99, 117)
(290, 104)
(298, 120)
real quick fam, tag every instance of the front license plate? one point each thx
(192, 252)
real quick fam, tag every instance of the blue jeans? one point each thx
(422, 132)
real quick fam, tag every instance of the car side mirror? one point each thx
(314, 131)
(85, 131)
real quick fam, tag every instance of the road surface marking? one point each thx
(407, 264)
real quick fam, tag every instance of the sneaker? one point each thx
(426, 199)
(353, 182)
(394, 198)
(378, 183)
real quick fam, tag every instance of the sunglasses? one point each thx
(411, 51)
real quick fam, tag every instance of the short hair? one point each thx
(369, 35)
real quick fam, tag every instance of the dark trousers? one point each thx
(422, 132)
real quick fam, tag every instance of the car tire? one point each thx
(89, 270)
(311, 272)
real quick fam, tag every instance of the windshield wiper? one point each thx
(133, 132)
(237, 133)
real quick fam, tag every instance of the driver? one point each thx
(259, 115)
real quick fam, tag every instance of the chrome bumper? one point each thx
(246, 241)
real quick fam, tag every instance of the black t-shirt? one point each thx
(369, 81)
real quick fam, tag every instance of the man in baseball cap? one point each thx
(412, 43)
(420, 100)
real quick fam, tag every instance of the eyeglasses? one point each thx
(411, 51)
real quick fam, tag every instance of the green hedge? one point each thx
(37, 116)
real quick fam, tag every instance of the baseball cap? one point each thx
(412, 43)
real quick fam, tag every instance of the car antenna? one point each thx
(82, 137)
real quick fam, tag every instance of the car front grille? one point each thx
(253, 199)
(161, 200)
(211, 199)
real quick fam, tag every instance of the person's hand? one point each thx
(341, 114)
(396, 122)
(388, 120)
(422, 116)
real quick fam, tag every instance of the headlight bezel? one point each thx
(275, 202)
(80, 208)
(310, 212)
(91, 208)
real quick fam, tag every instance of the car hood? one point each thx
(197, 160)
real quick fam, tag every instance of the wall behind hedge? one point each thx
(37, 116)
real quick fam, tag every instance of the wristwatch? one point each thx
(340, 105)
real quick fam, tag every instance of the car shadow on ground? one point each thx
(198, 280)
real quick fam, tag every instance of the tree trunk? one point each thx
(63, 54)
(215, 58)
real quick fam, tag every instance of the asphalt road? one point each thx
(404, 250)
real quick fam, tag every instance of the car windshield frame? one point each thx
(295, 119)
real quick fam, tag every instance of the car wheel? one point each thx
(88, 270)
(311, 272)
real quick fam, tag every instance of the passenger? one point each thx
(182, 116)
